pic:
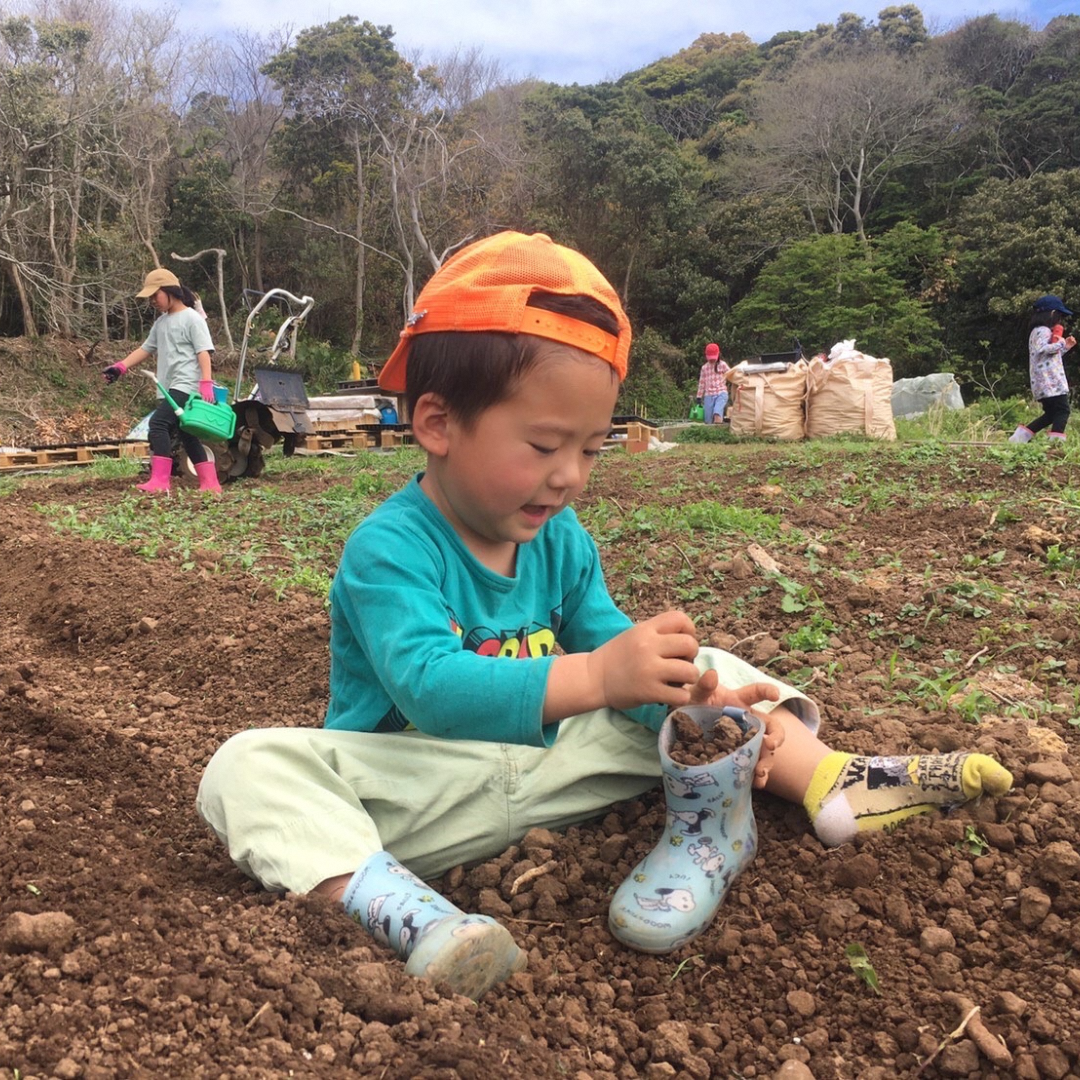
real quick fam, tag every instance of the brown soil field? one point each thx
(130, 946)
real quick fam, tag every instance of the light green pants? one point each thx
(296, 806)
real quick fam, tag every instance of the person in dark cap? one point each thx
(1047, 347)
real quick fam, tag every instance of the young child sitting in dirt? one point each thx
(455, 725)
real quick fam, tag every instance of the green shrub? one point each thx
(324, 365)
(706, 433)
(655, 386)
(983, 421)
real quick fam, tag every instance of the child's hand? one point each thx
(708, 691)
(652, 662)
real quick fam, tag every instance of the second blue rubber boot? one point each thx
(710, 837)
(437, 941)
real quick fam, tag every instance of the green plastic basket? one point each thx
(214, 422)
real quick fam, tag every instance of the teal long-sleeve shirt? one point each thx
(423, 635)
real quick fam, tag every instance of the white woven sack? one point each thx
(850, 394)
(769, 404)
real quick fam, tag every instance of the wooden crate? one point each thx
(392, 437)
(637, 438)
(632, 435)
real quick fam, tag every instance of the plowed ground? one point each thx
(954, 626)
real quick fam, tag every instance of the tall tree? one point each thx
(1025, 88)
(228, 184)
(834, 131)
(341, 83)
(689, 93)
(82, 143)
(1017, 240)
(608, 181)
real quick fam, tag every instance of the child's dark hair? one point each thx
(1046, 318)
(474, 371)
(181, 293)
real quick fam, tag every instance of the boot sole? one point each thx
(469, 953)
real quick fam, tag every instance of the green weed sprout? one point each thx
(973, 844)
(860, 964)
(689, 960)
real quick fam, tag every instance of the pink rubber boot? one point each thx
(207, 474)
(160, 475)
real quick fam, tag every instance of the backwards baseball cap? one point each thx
(712, 351)
(156, 279)
(1050, 303)
(486, 287)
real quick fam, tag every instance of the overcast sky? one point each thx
(583, 41)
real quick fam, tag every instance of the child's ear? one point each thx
(430, 424)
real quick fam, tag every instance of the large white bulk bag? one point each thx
(768, 403)
(849, 392)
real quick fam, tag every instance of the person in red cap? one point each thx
(181, 343)
(483, 682)
(1047, 346)
(712, 391)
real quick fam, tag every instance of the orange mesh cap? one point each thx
(486, 287)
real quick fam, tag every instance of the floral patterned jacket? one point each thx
(1046, 364)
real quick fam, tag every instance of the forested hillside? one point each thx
(860, 179)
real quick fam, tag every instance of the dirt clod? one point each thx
(694, 746)
(47, 931)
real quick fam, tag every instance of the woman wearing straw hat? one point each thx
(180, 339)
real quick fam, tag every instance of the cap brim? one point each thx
(146, 292)
(392, 375)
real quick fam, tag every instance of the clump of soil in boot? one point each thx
(693, 746)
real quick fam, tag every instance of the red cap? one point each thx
(712, 351)
(486, 287)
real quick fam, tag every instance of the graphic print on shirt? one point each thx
(516, 643)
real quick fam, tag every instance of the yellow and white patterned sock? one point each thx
(850, 794)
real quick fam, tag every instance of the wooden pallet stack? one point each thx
(335, 440)
(631, 433)
(52, 457)
(393, 435)
(359, 436)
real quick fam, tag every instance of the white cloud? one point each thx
(569, 41)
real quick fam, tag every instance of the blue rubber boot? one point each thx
(710, 837)
(437, 941)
